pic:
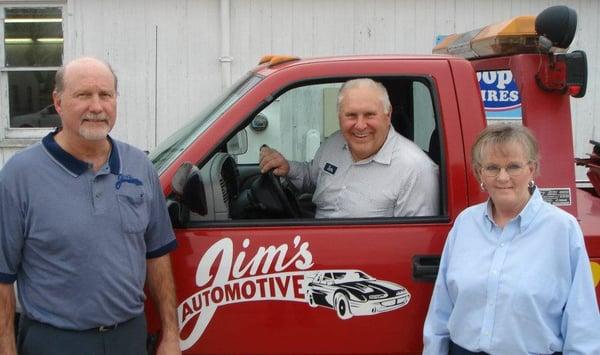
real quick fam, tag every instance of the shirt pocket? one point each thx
(134, 211)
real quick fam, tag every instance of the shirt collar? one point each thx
(488, 216)
(73, 165)
(525, 217)
(531, 209)
(384, 155)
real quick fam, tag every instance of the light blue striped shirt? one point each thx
(526, 288)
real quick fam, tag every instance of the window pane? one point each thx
(31, 99)
(33, 37)
(424, 115)
(295, 124)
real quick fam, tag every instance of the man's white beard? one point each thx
(93, 131)
(94, 134)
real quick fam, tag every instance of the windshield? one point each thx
(166, 152)
(350, 276)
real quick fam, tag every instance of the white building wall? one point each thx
(166, 52)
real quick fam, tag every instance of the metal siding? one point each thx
(166, 53)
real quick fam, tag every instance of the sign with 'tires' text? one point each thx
(500, 95)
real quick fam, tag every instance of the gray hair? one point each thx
(497, 135)
(59, 77)
(366, 82)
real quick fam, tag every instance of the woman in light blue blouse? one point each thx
(515, 277)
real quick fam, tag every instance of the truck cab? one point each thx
(256, 272)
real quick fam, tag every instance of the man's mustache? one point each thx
(95, 117)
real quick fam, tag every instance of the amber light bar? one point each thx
(516, 35)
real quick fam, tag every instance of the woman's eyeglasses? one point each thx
(513, 169)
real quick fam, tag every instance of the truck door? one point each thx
(255, 275)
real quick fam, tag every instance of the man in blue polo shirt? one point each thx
(83, 226)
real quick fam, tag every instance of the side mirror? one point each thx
(187, 183)
(178, 213)
(180, 177)
(238, 145)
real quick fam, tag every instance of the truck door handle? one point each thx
(425, 267)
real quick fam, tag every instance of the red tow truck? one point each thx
(257, 273)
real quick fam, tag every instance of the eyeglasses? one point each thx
(513, 169)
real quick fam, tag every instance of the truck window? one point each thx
(424, 118)
(299, 120)
(296, 122)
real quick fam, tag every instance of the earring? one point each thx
(531, 186)
(481, 186)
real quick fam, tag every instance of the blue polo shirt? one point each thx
(77, 240)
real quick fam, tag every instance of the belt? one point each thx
(106, 328)
(456, 349)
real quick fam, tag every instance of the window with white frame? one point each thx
(31, 54)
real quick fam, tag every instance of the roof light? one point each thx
(516, 35)
(551, 31)
(276, 59)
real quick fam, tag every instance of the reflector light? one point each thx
(276, 59)
(265, 59)
(574, 90)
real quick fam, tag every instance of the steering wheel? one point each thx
(275, 197)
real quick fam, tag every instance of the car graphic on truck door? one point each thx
(354, 293)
